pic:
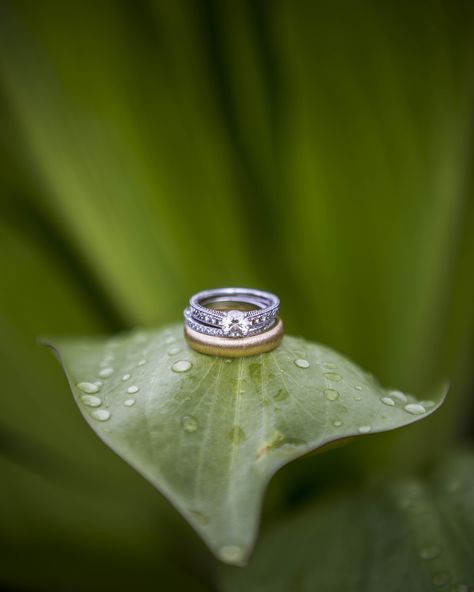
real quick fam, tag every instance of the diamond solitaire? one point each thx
(235, 323)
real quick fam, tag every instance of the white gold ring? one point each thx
(232, 312)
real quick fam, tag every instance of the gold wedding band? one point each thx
(229, 347)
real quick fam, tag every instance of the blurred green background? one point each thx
(149, 149)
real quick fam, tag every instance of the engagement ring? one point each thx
(233, 322)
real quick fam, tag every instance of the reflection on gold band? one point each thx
(228, 347)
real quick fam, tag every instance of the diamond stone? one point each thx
(235, 323)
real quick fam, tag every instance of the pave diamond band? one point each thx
(231, 326)
(232, 312)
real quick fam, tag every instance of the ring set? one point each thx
(233, 322)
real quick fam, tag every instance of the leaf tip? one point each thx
(236, 555)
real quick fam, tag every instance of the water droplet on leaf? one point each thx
(189, 423)
(334, 376)
(101, 414)
(133, 389)
(88, 387)
(415, 408)
(331, 394)
(237, 435)
(106, 372)
(398, 395)
(302, 363)
(181, 366)
(91, 400)
(388, 401)
(281, 395)
(364, 429)
(428, 404)
(129, 402)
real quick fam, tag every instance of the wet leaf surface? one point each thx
(210, 432)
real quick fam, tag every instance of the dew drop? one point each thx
(181, 366)
(415, 408)
(302, 363)
(337, 423)
(290, 442)
(281, 395)
(358, 387)
(329, 365)
(430, 552)
(388, 401)
(88, 387)
(174, 350)
(398, 395)
(105, 372)
(428, 404)
(101, 414)
(99, 383)
(364, 429)
(129, 402)
(334, 376)
(189, 423)
(237, 435)
(126, 377)
(331, 394)
(132, 389)
(91, 400)
(440, 578)
(142, 362)
(232, 553)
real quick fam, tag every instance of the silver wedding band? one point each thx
(233, 313)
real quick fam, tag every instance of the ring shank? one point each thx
(256, 302)
(257, 297)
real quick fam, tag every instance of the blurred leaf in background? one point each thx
(149, 149)
(399, 537)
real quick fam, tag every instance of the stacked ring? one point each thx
(233, 322)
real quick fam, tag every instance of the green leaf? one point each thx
(414, 535)
(210, 432)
